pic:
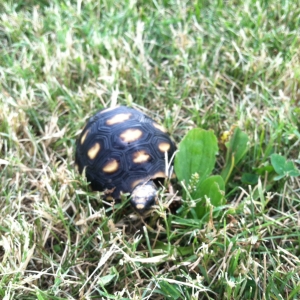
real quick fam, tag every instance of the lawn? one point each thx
(231, 68)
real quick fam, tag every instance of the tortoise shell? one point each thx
(121, 148)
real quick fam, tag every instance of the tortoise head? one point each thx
(144, 196)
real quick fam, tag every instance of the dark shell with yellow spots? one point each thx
(122, 148)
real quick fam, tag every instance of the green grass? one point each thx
(187, 64)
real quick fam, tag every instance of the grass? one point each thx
(187, 64)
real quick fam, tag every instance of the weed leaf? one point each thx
(212, 189)
(236, 149)
(197, 154)
(283, 167)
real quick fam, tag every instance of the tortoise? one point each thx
(124, 151)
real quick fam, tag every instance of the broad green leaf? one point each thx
(214, 189)
(278, 163)
(278, 177)
(291, 169)
(283, 167)
(249, 178)
(197, 154)
(236, 149)
(264, 169)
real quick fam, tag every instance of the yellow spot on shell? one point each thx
(84, 137)
(111, 166)
(131, 135)
(164, 147)
(159, 174)
(119, 118)
(140, 157)
(159, 127)
(92, 153)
